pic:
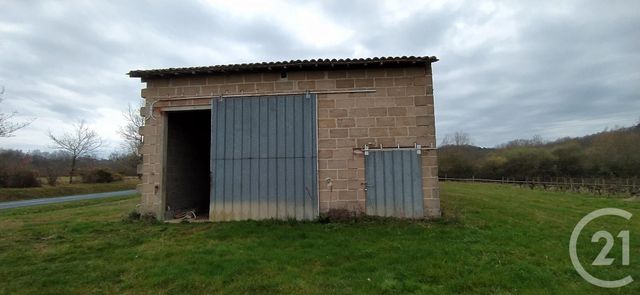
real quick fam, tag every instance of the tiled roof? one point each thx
(354, 63)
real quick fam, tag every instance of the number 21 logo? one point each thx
(602, 258)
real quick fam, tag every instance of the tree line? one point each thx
(607, 154)
(74, 151)
(24, 169)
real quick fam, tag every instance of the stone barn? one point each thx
(290, 139)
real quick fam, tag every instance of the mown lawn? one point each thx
(65, 189)
(492, 239)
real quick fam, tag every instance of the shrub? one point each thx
(338, 215)
(525, 162)
(22, 178)
(117, 177)
(4, 178)
(52, 177)
(100, 176)
(135, 216)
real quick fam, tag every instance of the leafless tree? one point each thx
(82, 141)
(536, 140)
(457, 138)
(7, 126)
(130, 131)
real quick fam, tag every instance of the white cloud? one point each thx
(302, 21)
(507, 69)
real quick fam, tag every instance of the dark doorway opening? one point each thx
(188, 154)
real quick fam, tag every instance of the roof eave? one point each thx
(287, 65)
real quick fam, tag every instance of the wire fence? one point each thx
(597, 186)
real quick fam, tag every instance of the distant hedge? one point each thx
(608, 154)
(19, 179)
(100, 176)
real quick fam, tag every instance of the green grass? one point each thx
(492, 239)
(64, 189)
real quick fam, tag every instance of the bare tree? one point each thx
(7, 126)
(457, 138)
(130, 131)
(82, 141)
(536, 140)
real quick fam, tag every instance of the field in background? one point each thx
(492, 239)
(63, 188)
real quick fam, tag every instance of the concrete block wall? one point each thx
(399, 112)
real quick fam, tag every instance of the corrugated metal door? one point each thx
(394, 183)
(264, 158)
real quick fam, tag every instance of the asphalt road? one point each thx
(44, 201)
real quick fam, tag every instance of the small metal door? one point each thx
(394, 183)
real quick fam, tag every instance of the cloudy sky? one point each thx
(509, 69)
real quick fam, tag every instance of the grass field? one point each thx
(64, 189)
(492, 239)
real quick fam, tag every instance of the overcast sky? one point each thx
(507, 70)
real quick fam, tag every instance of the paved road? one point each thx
(34, 202)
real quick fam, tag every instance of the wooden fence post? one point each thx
(571, 183)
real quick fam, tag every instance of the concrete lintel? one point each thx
(186, 108)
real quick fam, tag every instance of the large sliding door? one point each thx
(264, 158)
